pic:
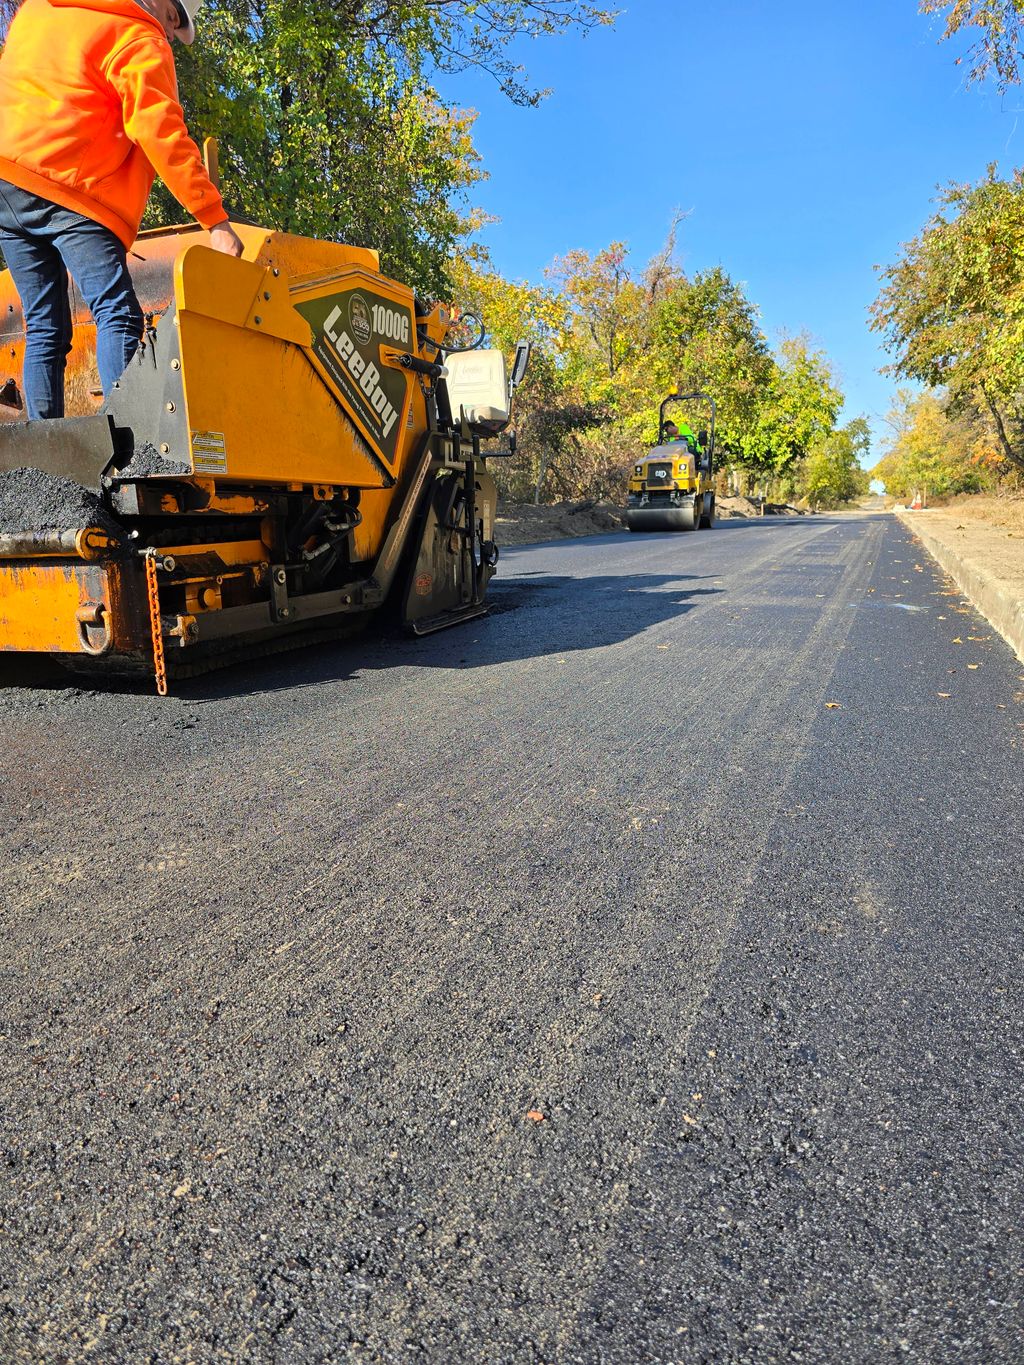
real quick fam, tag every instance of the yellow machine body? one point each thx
(672, 488)
(298, 458)
(667, 469)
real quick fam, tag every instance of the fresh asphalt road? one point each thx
(632, 976)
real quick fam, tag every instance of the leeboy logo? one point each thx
(364, 372)
(359, 319)
(346, 329)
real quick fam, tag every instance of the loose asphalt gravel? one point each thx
(33, 501)
(632, 976)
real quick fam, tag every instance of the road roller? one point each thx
(672, 487)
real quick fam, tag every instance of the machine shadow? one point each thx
(530, 617)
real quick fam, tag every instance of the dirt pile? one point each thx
(520, 523)
(34, 502)
(741, 506)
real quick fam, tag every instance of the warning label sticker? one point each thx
(208, 453)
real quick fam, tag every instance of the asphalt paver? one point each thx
(631, 975)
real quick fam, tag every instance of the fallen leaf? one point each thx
(691, 1121)
(957, 640)
(535, 1115)
(284, 947)
(834, 705)
(943, 694)
(974, 665)
(182, 1189)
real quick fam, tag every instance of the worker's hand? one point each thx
(223, 237)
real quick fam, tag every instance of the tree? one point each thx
(608, 308)
(934, 450)
(330, 123)
(553, 409)
(707, 338)
(833, 472)
(625, 337)
(951, 310)
(798, 405)
(1000, 23)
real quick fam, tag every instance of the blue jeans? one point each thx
(41, 243)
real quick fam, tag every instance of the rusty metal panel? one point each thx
(73, 608)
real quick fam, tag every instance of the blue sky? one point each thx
(806, 139)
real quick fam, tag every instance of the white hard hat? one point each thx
(187, 10)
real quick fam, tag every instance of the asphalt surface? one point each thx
(632, 976)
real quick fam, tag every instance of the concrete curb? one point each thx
(998, 601)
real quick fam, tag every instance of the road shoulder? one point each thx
(985, 562)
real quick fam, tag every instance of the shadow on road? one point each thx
(530, 616)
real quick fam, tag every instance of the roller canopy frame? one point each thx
(690, 398)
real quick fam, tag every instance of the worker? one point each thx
(674, 433)
(89, 114)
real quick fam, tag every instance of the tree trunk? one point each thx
(541, 474)
(1009, 453)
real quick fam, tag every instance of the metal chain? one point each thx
(156, 626)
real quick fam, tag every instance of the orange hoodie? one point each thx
(89, 114)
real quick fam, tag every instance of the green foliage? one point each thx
(951, 310)
(706, 337)
(935, 450)
(1000, 24)
(328, 133)
(611, 342)
(551, 411)
(329, 122)
(833, 474)
(798, 405)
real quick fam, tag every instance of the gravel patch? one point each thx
(32, 501)
(147, 461)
